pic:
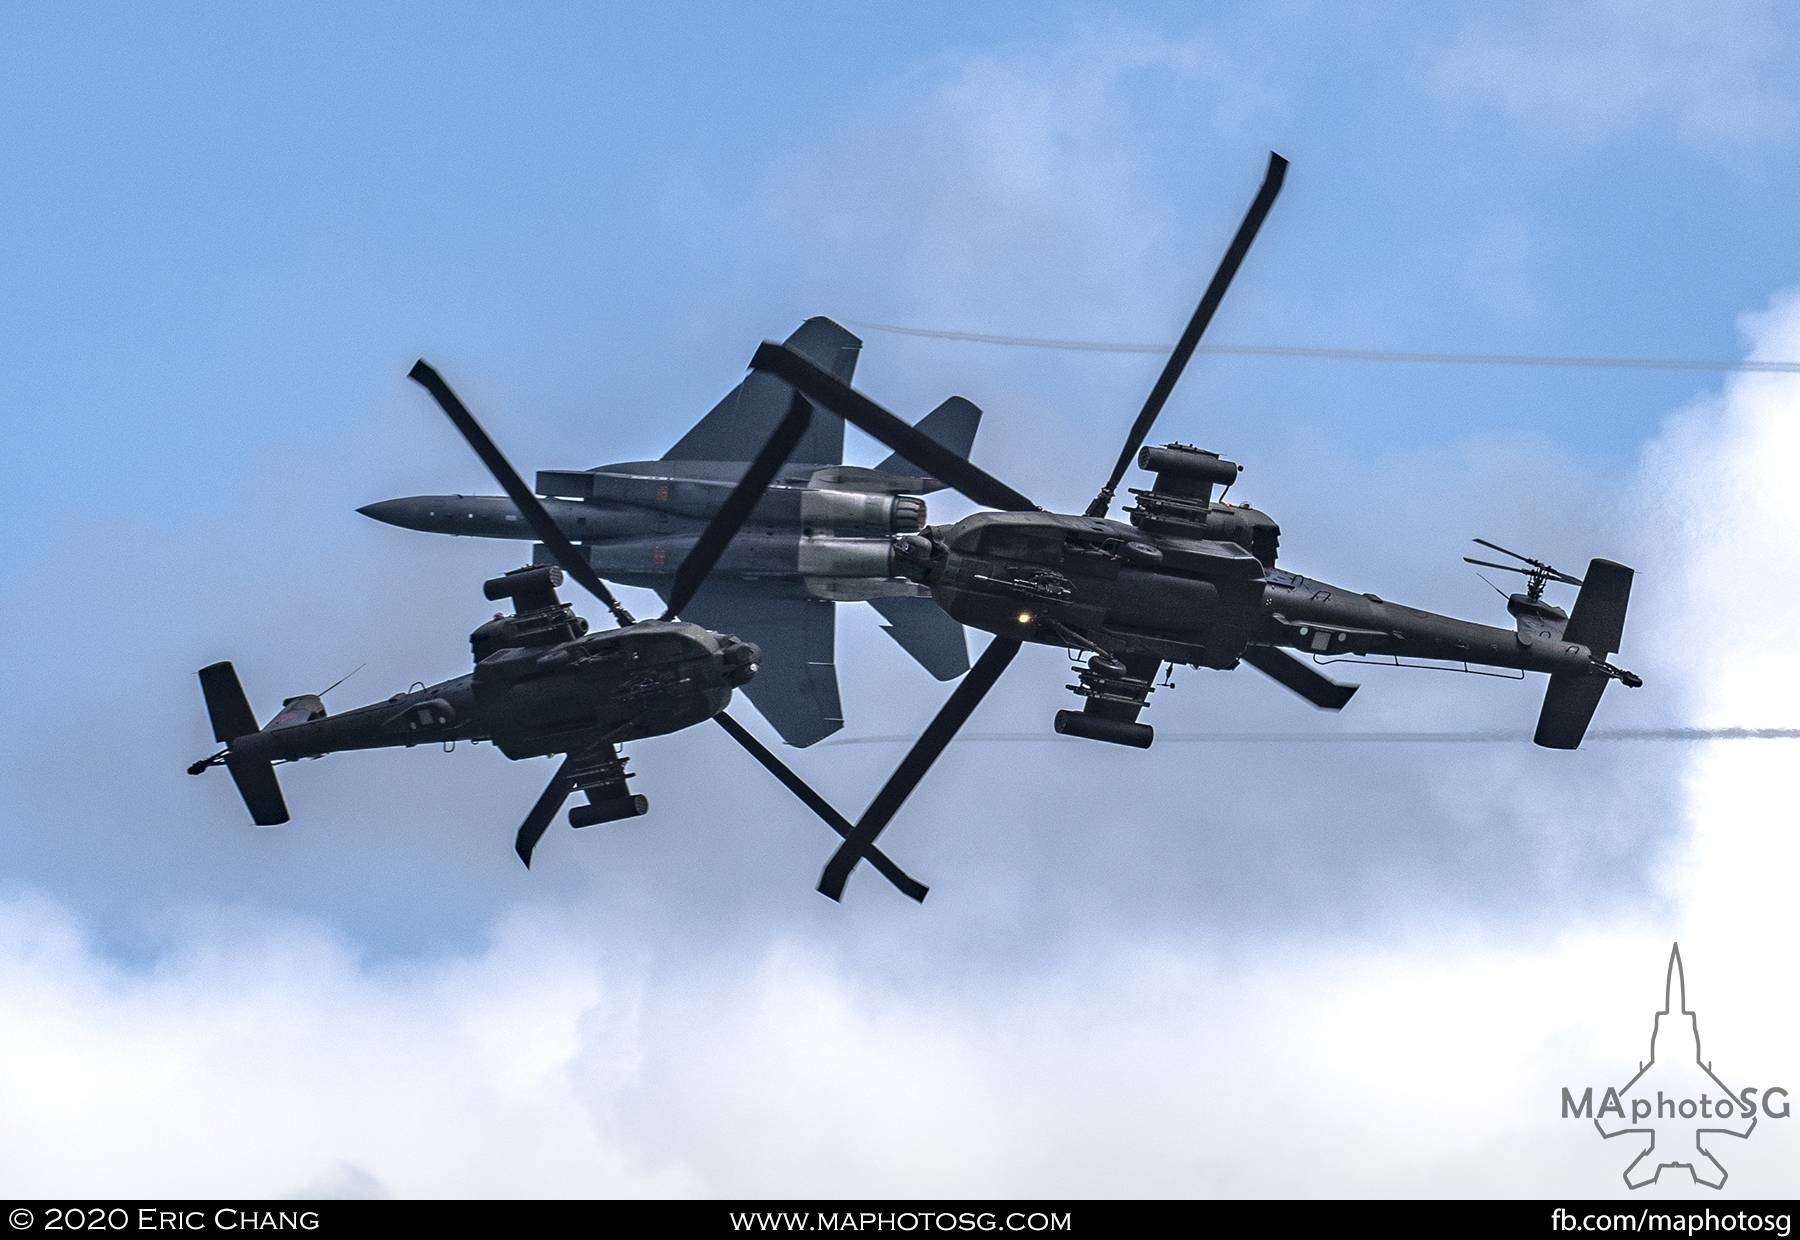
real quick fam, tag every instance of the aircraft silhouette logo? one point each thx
(1676, 1107)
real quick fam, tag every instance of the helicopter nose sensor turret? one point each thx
(909, 555)
(742, 660)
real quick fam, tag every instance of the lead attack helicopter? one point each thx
(542, 683)
(1190, 580)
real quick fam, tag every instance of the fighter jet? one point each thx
(820, 536)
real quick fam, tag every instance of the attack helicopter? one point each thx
(542, 683)
(1191, 580)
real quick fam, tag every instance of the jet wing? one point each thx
(926, 632)
(739, 425)
(795, 687)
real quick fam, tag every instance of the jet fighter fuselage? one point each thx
(825, 526)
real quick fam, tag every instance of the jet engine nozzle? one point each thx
(908, 514)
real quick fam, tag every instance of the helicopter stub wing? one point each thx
(1300, 677)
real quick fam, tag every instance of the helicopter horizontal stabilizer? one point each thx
(229, 711)
(256, 783)
(226, 706)
(1597, 621)
(1569, 705)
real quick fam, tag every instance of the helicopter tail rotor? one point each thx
(1537, 573)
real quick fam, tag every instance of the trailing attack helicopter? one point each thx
(542, 683)
(818, 538)
(1190, 580)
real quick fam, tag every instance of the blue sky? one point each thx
(225, 233)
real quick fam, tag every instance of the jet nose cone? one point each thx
(387, 510)
(412, 513)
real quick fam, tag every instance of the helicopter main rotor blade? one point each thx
(538, 820)
(938, 733)
(573, 562)
(835, 396)
(1203, 313)
(906, 883)
(737, 506)
(693, 573)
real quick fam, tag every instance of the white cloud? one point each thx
(276, 1063)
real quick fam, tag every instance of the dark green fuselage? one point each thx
(1045, 577)
(560, 691)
